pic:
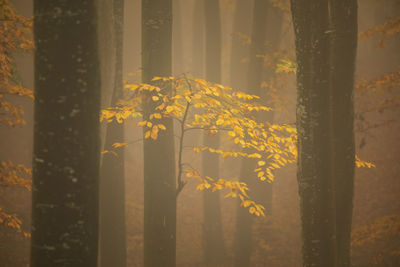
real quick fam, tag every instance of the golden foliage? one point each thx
(15, 32)
(197, 104)
(12, 221)
(15, 175)
(378, 229)
(216, 109)
(286, 66)
(359, 163)
(381, 93)
(386, 31)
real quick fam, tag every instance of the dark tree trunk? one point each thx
(159, 156)
(343, 54)
(66, 135)
(214, 251)
(310, 19)
(112, 183)
(243, 235)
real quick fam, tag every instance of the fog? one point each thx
(210, 228)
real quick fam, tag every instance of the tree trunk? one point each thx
(310, 20)
(159, 155)
(107, 46)
(112, 182)
(240, 49)
(66, 135)
(343, 54)
(177, 45)
(198, 39)
(214, 251)
(243, 235)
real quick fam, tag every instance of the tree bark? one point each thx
(343, 54)
(112, 182)
(66, 135)
(310, 20)
(159, 155)
(214, 251)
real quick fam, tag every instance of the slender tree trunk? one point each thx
(272, 42)
(159, 155)
(214, 251)
(240, 48)
(66, 135)
(112, 183)
(198, 39)
(107, 46)
(343, 54)
(243, 235)
(310, 19)
(177, 45)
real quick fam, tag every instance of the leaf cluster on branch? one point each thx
(198, 105)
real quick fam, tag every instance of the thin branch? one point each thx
(202, 128)
(180, 165)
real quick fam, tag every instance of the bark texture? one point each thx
(310, 20)
(343, 55)
(326, 42)
(66, 135)
(159, 155)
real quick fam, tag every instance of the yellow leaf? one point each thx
(116, 145)
(147, 134)
(154, 132)
(155, 98)
(161, 126)
(252, 210)
(200, 187)
(156, 115)
(261, 163)
(226, 155)
(246, 203)
(142, 123)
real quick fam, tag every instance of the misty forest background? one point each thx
(249, 45)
